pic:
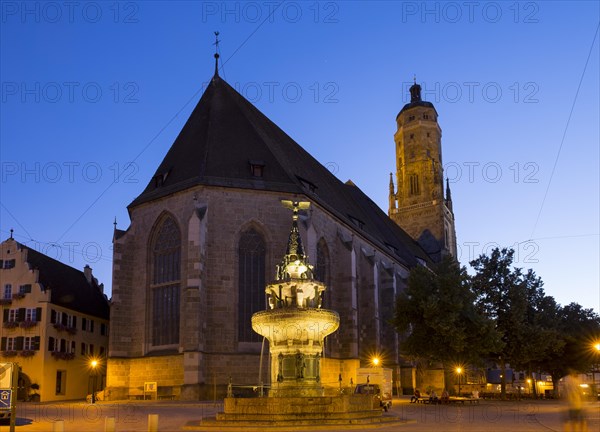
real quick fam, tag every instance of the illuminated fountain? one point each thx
(295, 324)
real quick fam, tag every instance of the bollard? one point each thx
(152, 422)
(109, 424)
(58, 426)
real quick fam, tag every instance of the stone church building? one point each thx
(208, 230)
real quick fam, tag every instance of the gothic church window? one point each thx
(251, 265)
(322, 270)
(166, 275)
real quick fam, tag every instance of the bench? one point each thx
(462, 400)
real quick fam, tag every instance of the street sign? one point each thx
(5, 398)
(6, 375)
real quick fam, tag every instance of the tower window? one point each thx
(414, 184)
(427, 134)
(426, 116)
(412, 136)
(411, 118)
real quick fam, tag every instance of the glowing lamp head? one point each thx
(94, 363)
(459, 370)
(375, 361)
(597, 347)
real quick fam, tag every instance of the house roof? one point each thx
(225, 136)
(68, 287)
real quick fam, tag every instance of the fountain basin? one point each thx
(344, 409)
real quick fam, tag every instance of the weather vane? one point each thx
(216, 44)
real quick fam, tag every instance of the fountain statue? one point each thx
(295, 324)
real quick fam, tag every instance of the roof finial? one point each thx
(216, 44)
(115, 223)
(11, 233)
(414, 78)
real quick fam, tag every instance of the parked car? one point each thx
(384, 398)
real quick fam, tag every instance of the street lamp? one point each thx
(94, 365)
(459, 372)
(375, 361)
(595, 365)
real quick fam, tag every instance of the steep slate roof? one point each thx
(68, 286)
(225, 133)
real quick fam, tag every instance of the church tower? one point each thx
(418, 204)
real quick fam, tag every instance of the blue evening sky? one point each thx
(94, 93)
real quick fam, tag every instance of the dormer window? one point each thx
(306, 184)
(411, 118)
(257, 168)
(159, 179)
(360, 224)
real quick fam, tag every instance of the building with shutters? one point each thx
(209, 229)
(54, 321)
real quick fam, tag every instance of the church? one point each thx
(209, 229)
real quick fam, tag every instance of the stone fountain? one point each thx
(295, 325)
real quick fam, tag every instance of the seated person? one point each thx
(445, 398)
(433, 398)
(416, 396)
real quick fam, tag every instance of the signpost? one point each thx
(151, 389)
(9, 376)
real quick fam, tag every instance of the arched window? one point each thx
(322, 270)
(251, 258)
(166, 284)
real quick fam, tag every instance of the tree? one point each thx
(500, 297)
(576, 328)
(438, 320)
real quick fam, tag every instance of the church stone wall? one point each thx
(211, 221)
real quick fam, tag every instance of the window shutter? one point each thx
(50, 343)
(83, 323)
(64, 319)
(36, 343)
(21, 314)
(38, 314)
(74, 321)
(19, 343)
(5, 313)
(3, 344)
(52, 316)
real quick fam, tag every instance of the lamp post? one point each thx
(94, 365)
(458, 372)
(595, 365)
